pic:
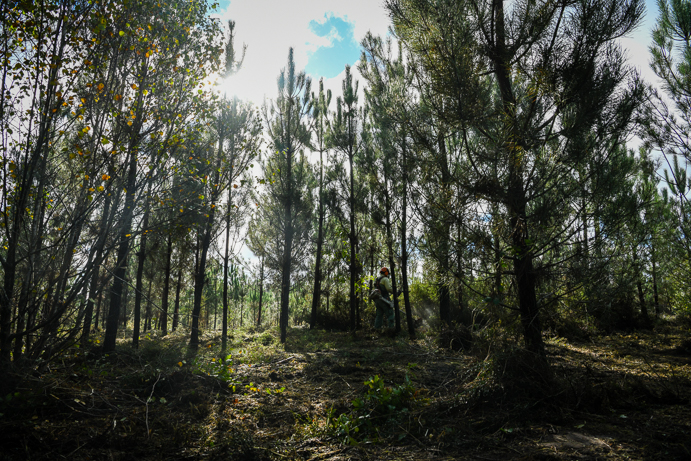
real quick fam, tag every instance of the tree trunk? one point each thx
(352, 238)
(404, 251)
(443, 290)
(95, 286)
(516, 202)
(166, 287)
(655, 293)
(176, 312)
(261, 292)
(392, 261)
(141, 256)
(639, 288)
(287, 249)
(149, 324)
(226, 262)
(285, 280)
(120, 271)
(199, 281)
(316, 293)
(116, 292)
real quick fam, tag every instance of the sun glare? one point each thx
(247, 87)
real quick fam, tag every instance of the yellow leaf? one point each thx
(179, 364)
(134, 86)
(128, 235)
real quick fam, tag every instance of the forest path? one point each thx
(335, 396)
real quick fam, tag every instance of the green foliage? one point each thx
(423, 296)
(221, 368)
(374, 412)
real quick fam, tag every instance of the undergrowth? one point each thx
(375, 413)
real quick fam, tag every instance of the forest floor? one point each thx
(369, 396)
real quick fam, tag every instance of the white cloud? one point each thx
(270, 27)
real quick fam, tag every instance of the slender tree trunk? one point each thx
(261, 292)
(117, 290)
(392, 261)
(639, 287)
(199, 281)
(200, 276)
(98, 312)
(461, 275)
(443, 289)
(226, 262)
(404, 251)
(285, 281)
(353, 242)
(316, 293)
(141, 258)
(655, 292)
(166, 286)
(176, 312)
(28, 280)
(288, 246)
(95, 286)
(150, 324)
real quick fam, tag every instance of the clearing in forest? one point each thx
(369, 396)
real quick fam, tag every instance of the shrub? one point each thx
(375, 410)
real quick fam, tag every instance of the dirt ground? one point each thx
(369, 396)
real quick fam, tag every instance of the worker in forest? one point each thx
(384, 304)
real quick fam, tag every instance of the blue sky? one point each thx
(329, 61)
(325, 35)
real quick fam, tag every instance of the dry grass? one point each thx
(615, 397)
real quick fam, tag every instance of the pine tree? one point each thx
(287, 128)
(320, 115)
(344, 138)
(528, 81)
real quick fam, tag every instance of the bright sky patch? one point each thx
(338, 47)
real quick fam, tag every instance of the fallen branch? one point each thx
(284, 360)
(148, 432)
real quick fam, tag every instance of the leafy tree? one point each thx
(164, 69)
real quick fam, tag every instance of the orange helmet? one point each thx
(385, 271)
